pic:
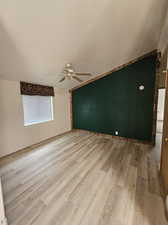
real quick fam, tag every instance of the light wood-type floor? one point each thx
(83, 179)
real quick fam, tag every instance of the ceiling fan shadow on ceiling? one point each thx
(70, 74)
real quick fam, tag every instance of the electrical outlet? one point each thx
(116, 132)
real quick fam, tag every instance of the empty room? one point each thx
(84, 112)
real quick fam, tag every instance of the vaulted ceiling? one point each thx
(37, 37)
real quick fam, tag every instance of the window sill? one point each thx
(35, 123)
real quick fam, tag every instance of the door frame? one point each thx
(164, 74)
(3, 219)
(156, 91)
(163, 136)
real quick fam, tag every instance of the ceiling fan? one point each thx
(69, 73)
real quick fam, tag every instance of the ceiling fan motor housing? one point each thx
(70, 73)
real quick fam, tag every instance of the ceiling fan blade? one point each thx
(83, 74)
(76, 78)
(62, 79)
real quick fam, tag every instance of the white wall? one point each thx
(13, 134)
(163, 42)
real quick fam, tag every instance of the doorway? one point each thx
(159, 125)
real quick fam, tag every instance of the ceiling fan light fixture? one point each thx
(71, 71)
(68, 65)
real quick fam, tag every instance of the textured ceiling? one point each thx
(38, 37)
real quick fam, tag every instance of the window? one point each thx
(37, 109)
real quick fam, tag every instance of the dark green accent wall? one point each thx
(115, 103)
